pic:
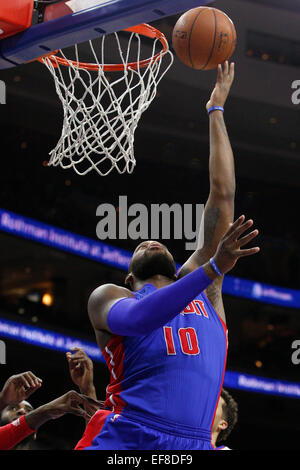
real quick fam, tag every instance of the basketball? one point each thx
(203, 38)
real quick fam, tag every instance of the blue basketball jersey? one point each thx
(172, 377)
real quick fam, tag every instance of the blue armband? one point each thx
(215, 108)
(215, 267)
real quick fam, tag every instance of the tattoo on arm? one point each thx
(214, 294)
(222, 124)
(210, 222)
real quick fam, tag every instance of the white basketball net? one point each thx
(102, 109)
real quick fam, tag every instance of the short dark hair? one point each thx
(230, 414)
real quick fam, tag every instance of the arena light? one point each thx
(34, 297)
(47, 299)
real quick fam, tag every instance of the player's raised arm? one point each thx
(219, 209)
(127, 316)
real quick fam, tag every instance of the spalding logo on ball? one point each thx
(204, 37)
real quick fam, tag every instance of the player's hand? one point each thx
(72, 402)
(229, 249)
(81, 370)
(224, 81)
(18, 388)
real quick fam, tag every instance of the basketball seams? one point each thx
(233, 42)
(190, 35)
(208, 40)
(214, 41)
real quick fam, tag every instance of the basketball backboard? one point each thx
(74, 21)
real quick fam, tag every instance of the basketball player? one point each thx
(13, 401)
(19, 421)
(164, 337)
(225, 419)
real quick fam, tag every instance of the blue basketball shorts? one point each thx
(111, 431)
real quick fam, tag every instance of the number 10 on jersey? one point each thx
(187, 338)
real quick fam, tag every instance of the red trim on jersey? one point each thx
(113, 354)
(94, 427)
(225, 332)
(13, 433)
(225, 362)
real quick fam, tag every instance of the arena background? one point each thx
(171, 149)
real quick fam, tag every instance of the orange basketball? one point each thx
(204, 37)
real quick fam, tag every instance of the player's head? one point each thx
(149, 259)
(12, 412)
(226, 416)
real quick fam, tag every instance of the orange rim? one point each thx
(143, 29)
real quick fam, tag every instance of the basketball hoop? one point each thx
(100, 113)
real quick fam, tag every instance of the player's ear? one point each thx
(129, 280)
(222, 425)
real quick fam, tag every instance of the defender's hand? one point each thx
(224, 81)
(72, 402)
(229, 248)
(81, 370)
(18, 388)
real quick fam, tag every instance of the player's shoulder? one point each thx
(101, 300)
(109, 291)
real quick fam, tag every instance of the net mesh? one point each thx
(102, 109)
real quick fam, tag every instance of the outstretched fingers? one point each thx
(234, 233)
(248, 252)
(225, 71)
(247, 238)
(220, 74)
(226, 68)
(239, 230)
(237, 223)
(231, 71)
(243, 241)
